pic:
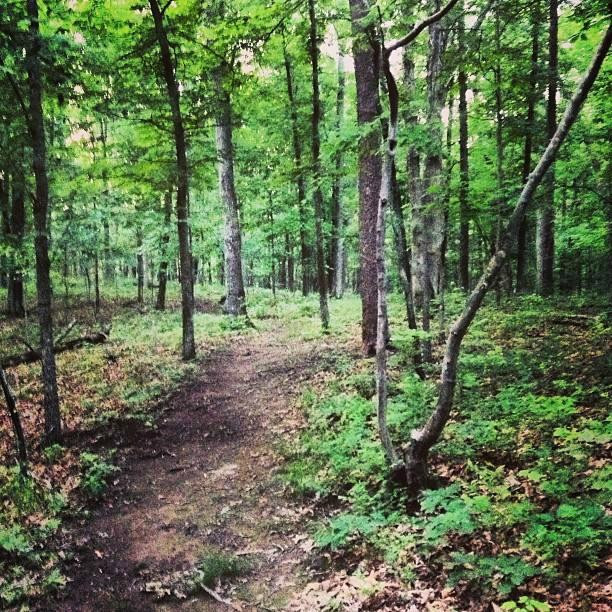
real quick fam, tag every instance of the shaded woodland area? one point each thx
(400, 211)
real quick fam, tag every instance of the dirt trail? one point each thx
(206, 481)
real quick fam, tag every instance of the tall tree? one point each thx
(338, 214)
(464, 170)
(316, 167)
(53, 425)
(546, 213)
(428, 214)
(416, 453)
(235, 302)
(16, 226)
(305, 254)
(368, 104)
(521, 247)
(182, 212)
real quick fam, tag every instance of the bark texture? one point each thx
(235, 303)
(51, 404)
(428, 214)
(370, 169)
(182, 211)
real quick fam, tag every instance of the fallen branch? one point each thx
(63, 334)
(218, 597)
(32, 356)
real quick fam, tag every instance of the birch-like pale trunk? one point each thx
(385, 193)
(417, 451)
(235, 302)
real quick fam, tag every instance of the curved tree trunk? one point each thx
(417, 451)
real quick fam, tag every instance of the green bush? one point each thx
(502, 573)
(95, 473)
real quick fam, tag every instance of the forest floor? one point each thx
(201, 491)
(253, 478)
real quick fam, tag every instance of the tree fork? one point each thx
(416, 451)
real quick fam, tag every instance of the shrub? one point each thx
(95, 473)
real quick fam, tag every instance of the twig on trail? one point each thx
(218, 597)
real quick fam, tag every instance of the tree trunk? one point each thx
(182, 212)
(139, 268)
(464, 173)
(11, 405)
(235, 303)
(53, 426)
(521, 255)
(272, 246)
(108, 266)
(417, 451)
(338, 221)
(290, 263)
(16, 306)
(305, 254)
(316, 168)
(163, 264)
(545, 241)
(404, 264)
(499, 148)
(370, 168)
(429, 227)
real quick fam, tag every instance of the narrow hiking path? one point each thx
(204, 482)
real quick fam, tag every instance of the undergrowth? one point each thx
(522, 493)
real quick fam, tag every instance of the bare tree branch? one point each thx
(417, 29)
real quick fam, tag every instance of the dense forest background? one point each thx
(382, 179)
